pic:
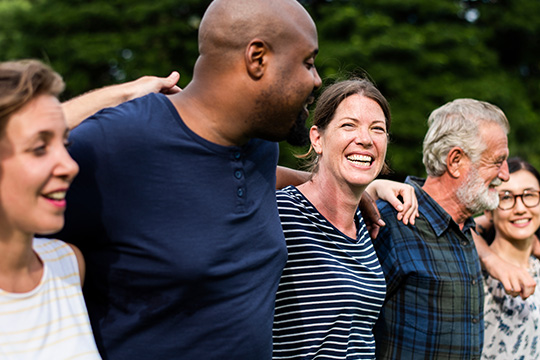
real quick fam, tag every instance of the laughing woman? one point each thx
(512, 324)
(42, 311)
(333, 288)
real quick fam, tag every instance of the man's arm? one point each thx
(516, 281)
(400, 196)
(286, 176)
(83, 106)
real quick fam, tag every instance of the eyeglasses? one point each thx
(507, 200)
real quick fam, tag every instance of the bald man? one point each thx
(174, 207)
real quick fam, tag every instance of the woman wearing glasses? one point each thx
(512, 324)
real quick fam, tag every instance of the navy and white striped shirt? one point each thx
(331, 290)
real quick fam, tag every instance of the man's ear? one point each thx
(455, 161)
(256, 58)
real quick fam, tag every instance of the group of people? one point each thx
(173, 225)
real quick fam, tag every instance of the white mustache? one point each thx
(496, 182)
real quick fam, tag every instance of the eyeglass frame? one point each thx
(514, 196)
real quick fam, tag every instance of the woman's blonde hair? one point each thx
(23, 80)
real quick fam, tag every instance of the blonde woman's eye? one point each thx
(39, 150)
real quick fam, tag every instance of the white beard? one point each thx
(475, 196)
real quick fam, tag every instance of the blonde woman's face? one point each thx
(35, 168)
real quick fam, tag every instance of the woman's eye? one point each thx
(40, 150)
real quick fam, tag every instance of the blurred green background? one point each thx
(420, 53)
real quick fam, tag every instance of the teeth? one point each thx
(359, 158)
(57, 195)
(521, 221)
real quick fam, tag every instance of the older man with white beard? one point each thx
(434, 302)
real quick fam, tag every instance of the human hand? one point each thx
(149, 84)
(371, 214)
(516, 280)
(401, 196)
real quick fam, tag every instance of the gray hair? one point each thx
(457, 123)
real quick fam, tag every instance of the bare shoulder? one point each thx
(80, 261)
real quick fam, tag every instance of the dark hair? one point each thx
(329, 101)
(21, 81)
(514, 165)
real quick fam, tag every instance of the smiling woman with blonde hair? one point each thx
(42, 312)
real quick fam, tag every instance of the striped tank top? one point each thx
(50, 321)
(331, 290)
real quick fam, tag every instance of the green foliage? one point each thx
(95, 43)
(420, 53)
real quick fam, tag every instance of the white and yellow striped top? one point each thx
(51, 321)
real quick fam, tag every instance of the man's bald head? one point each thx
(256, 65)
(228, 26)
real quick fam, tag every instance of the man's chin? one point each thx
(299, 135)
(298, 139)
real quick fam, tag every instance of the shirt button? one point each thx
(474, 320)
(464, 243)
(240, 192)
(473, 282)
(238, 174)
(237, 155)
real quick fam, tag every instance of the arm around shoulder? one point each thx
(81, 107)
(286, 176)
(516, 280)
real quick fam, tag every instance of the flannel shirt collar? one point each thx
(439, 219)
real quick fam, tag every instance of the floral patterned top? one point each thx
(512, 324)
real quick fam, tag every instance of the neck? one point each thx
(338, 204)
(442, 190)
(516, 252)
(209, 115)
(20, 267)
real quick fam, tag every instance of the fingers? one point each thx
(409, 211)
(373, 230)
(527, 290)
(512, 289)
(410, 215)
(520, 284)
(174, 77)
(169, 83)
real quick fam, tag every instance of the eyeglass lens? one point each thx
(507, 200)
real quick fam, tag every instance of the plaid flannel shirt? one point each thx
(434, 303)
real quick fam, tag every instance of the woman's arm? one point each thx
(83, 106)
(401, 196)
